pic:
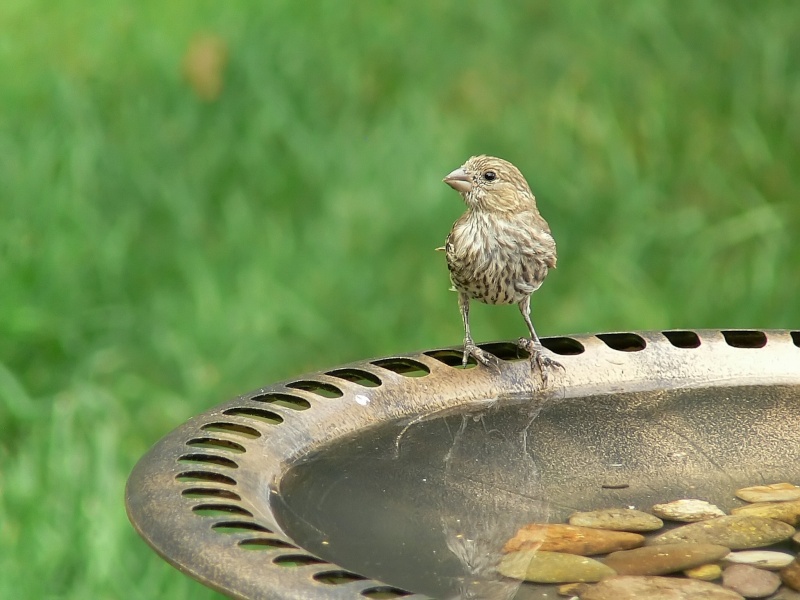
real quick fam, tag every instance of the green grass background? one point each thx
(160, 254)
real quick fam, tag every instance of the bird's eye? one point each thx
(490, 176)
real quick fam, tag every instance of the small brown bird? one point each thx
(500, 250)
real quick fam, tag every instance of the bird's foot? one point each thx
(483, 357)
(538, 359)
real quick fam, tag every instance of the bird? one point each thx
(499, 251)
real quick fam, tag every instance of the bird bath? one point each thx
(404, 476)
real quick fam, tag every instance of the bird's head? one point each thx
(492, 184)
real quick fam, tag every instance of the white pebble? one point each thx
(764, 559)
(687, 510)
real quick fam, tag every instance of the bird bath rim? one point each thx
(214, 472)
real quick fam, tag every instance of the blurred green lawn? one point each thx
(160, 254)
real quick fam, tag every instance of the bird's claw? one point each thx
(545, 364)
(538, 359)
(483, 357)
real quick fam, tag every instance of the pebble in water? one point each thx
(788, 512)
(627, 587)
(556, 553)
(552, 567)
(618, 519)
(664, 559)
(750, 582)
(763, 559)
(775, 492)
(571, 589)
(791, 575)
(687, 510)
(705, 572)
(736, 532)
(573, 540)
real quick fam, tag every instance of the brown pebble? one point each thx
(617, 519)
(664, 559)
(791, 575)
(750, 582)
(774, 492)
(630, 587)
(571, 539)
(788, 512)
(737, 532)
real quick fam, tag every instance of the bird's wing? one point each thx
(537, 255)
(450, 250)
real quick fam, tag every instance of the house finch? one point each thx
(500, 250)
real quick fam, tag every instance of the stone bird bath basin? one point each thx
(403, 476)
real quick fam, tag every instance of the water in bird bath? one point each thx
(427, 504)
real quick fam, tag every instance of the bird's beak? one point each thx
(459, 181)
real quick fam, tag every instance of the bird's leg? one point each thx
(534, 347)
(470, 349)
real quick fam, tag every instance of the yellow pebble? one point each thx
(704, 572)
